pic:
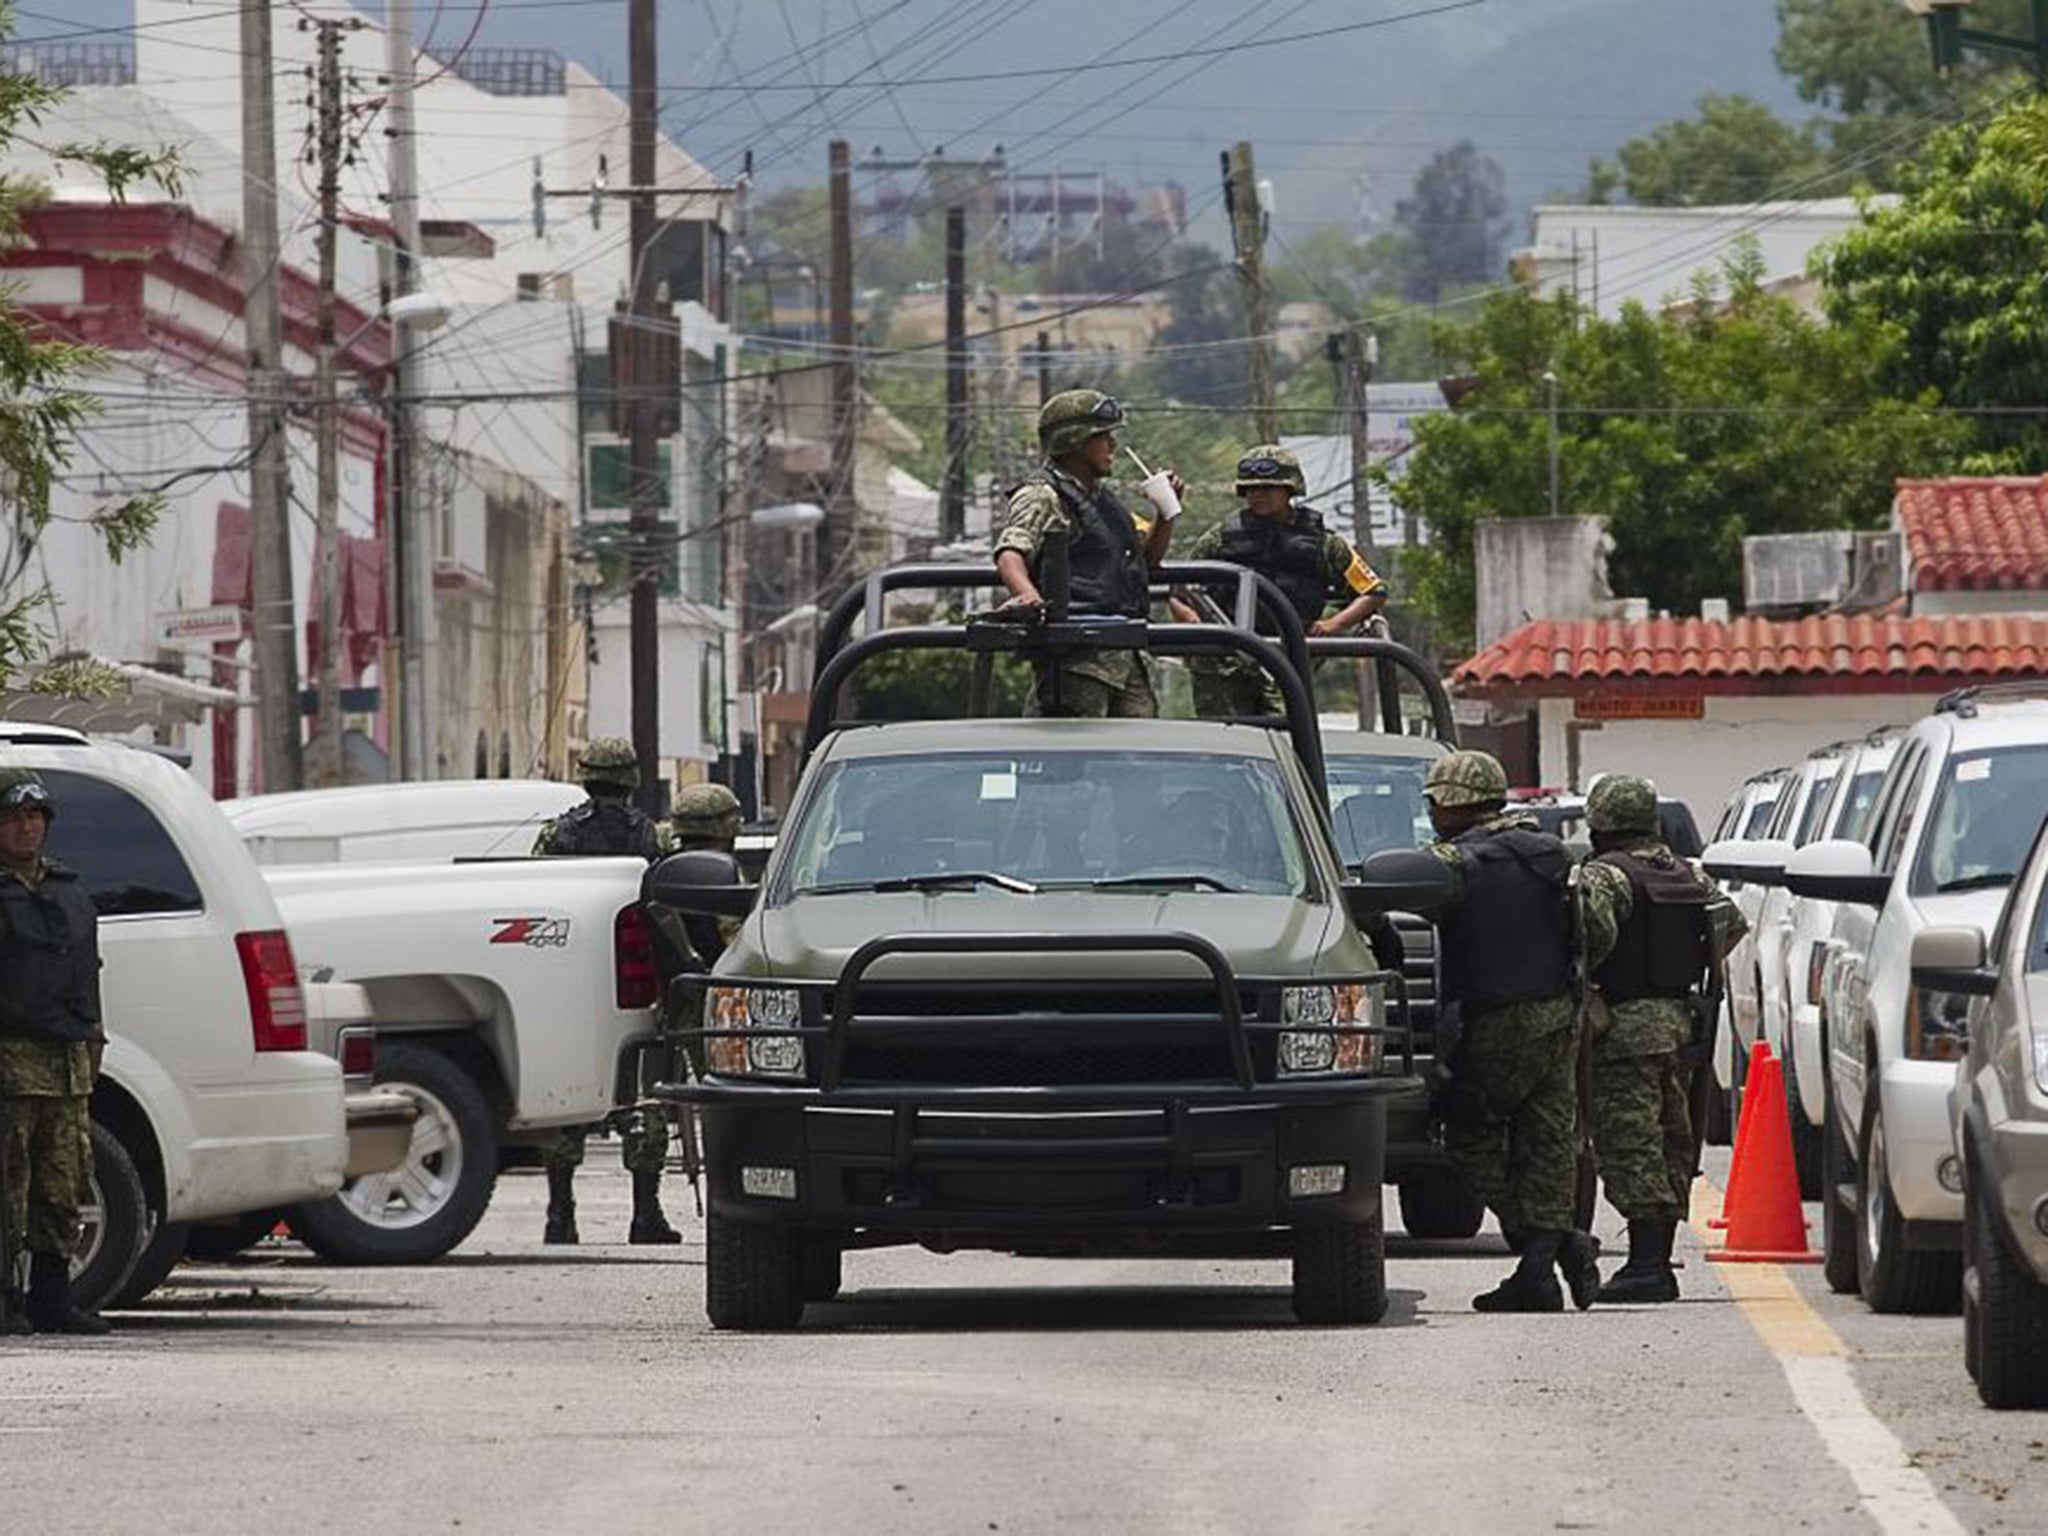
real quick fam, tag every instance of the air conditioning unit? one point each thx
(1797, 570)
(1878, 574)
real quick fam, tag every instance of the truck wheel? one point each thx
(1837, 1227)
(233, 1235)
(2012, 1315)
(1806, 1148)
(1893, 1277)
(753, 1275)
(1436, 1203)
(416, 1212)
(114, 1223)
(823, 1271)
(160, 1255)
(1340, 1272)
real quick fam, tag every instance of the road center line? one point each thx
(1897, 1495)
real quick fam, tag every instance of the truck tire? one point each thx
(1340, 1272)
(116, 1222)
(1891, 1276)
(160, 1254)
(1437, 1203)
(433, 1200)
(753, 1275)
(2011, 1315)
(1837, 1223)
(823, 1270)
(1806, 1147)
(224, 1239)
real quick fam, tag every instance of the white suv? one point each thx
(209, 1103)
(1953, 821)
(1746, 817)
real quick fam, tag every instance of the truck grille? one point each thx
(975, 1066)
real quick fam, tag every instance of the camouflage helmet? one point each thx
(1270, 464)
(22, 789)
(1622, 802)
(1072, 416)
(705, 812)
(609, 760)
(1466, 778)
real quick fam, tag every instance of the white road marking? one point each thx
(1898, 1496)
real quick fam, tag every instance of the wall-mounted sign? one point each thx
(199, 626)
(1644, 707)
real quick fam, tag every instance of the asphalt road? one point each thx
(514, 1388)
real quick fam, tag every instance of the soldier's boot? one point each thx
(1647, 1277)
(50, 1307)
(1533, 1286)
(1578, 1260)
(649, 1224)
(13, 1322)
(561, 1227)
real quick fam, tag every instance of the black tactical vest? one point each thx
(49, 958)
(1508, 940)
(602, 826)
(1289, 554)
(1662, 950)
(1104, 553)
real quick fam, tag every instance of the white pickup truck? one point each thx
(511, 997)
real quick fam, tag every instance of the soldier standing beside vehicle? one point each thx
(51, 1041)
(1654, 926)
(1282, 538)
(1507, 951)
(609, 823)
(1109, 555)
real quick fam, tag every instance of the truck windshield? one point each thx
(1376, 803)
(1983, 820)
(1129, 820)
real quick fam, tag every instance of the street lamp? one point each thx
(1950, 39)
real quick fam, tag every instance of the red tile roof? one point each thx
(1975, 534)
(1828, 654)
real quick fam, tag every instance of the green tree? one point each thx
(1954, 270)
(1733, 150)
(1870, 57)
(1452, 224)
(43, 403)
(1686, 430)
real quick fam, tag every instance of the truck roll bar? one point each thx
(1390, 658)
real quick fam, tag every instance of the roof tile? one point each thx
(1975, 533)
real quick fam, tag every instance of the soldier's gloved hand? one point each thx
(1387, 947)
(1022, 610)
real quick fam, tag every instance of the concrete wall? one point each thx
(1539, 568)
(1701, 762)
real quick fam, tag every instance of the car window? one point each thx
(1898, 823)
(1878, 825)
(1376, 803)
(1983, 818)
(1758, 817)
(1783, 812)
(1817, 797)
(1063, 818)
(121, 851)
(1849, 809)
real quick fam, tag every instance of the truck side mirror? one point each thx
(702, 880)
(1953, 960)
(1398, 880)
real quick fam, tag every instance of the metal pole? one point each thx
(833, 544)
(1044, 366)
(279, 761)
(324, 765)
(412, 526)
(643, 445)
(953, 497)
(1249, 232)
(1550, 388)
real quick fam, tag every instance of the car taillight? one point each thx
(636, 982)
(277, 1004)
(358, 1052)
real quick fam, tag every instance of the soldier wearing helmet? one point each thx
(51, 1039)
(1654, 928)
(1511, 1109)
(1109, 553)
(1284, 539)
(608, 823)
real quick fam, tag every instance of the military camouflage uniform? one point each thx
(1113, 684)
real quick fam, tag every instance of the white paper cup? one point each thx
(1157, 488)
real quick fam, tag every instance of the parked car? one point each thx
(1745, 818)
(368, 823)
(1952, 824)
(2000, 1123)
(210, 1103)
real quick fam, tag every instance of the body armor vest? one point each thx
(1508, 940)
(1104, 553)
(1662, 950)
(605, 826)
(1289, 554)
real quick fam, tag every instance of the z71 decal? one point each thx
(533, 932)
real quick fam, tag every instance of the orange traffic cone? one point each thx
(1766, 1224)
(1758, 1053)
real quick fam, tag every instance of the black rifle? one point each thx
(1705, 1005)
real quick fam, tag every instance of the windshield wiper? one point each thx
(940, 879)
(1981, 882)
(1190, 882)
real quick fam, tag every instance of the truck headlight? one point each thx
(1937, 1025)
(1322, 1010)
(764, 1009)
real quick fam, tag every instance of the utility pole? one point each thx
(324, 764)
(412, 527)
(953, 496)
(1360, 356)
(643, 448)
(279, 762)
(1248, 236)
(836, 544)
